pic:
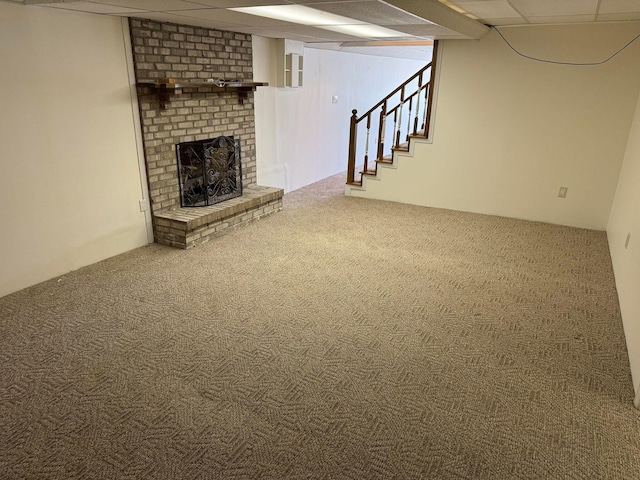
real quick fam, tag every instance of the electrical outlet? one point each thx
(563, 192)
(334, 99)
(626, 242)
(143, 205)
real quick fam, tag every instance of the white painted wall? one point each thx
(510, 131)
(301, 136)
(69, 178)
(625, 220)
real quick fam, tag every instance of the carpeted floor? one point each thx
(339, 339)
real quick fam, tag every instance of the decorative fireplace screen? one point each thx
(209, 171)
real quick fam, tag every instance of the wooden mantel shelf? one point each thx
(164, 90)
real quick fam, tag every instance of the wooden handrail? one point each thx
(412, 100)
(420, 72)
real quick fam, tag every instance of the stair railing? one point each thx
(417, 104)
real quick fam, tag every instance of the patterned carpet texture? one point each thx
(339, 339)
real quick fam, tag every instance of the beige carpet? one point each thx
(339, 339)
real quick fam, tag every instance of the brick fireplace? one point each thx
(166, 52)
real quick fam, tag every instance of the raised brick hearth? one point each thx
(192, 54)
(188, 227)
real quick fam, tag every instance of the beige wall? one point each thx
(509, 132)
(301, 136)
(625, 220)
(69, 178)
(270, 169)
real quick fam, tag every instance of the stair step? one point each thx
(387, 159)
(403, 147)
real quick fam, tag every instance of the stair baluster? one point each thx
(415, 121)
(366, 145)
(381, 131)
(409, 117)
(400, 117)
(426, 102)
(395, 125)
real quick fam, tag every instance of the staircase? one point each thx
(371, 183)
(400, 118)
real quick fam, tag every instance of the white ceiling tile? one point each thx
(562, 19)
(173, 18)
(619, 6)
(239, 3)
(229, 16)
(457, 36)
(154, 5)
(302, 31)
(613, 17)
(370, 11)
(213, 14)
(505, 21)
(90, 7)
(309, 2)
(290, 36)
(410, 52)
(488, 9)
(551, 8)
(424, 30)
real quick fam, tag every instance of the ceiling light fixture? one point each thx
(365, 31)
(317, 18)
(297, 14)
(389, 43)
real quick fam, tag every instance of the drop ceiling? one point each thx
(416, 20)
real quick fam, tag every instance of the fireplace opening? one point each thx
(209, 171)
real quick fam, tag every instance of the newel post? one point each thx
(351, 167)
